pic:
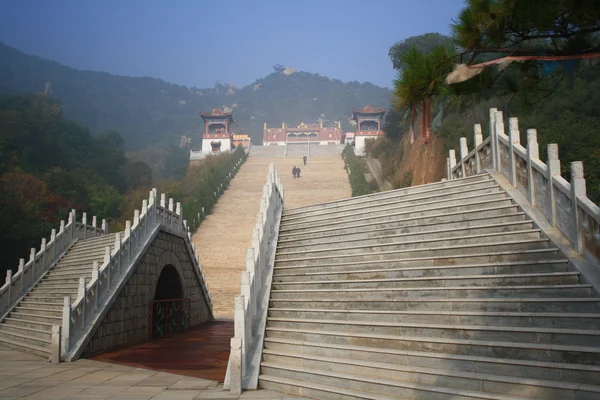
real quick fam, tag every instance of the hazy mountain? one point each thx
(150, 112)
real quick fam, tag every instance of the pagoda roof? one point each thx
(217, 113)
(368, 110)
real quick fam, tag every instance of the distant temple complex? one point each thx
(217, 136)
(317, 133)
(368, 126)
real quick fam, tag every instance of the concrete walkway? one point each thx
(223, 237)
(25, 376)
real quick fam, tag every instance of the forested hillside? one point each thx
(49, 165)
(151, 113)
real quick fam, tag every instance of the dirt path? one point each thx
(223, 237)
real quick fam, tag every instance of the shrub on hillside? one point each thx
(356, 172)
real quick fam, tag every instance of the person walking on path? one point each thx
(298, 172)
(304, 158)
(294, 171)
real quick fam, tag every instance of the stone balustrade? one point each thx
(564, 204)
(29, 273)
(250, 311)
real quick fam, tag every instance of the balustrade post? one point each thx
(53, 240)
(96, 278)
(128, 238)
(478, 136)
(118, 252)
(448, 170)
(464, 152)
(493, 138)
(533, 153)
(62, 236)
(108, 266)
(56, 353)
(73, 223)
(171, 212)
(104, 230)
(81, 295)
(499, 128)
(553, 169)
(239, 328)
(9, 281)
(452, 155)
(235, 373)
(84, 223)
(32, 259)
(94, 223)
(22, 271)
(514, 138)
(66, 323)
(147, 219)
(163, 200)
(249, 304)
(43, 249)
(578, 191)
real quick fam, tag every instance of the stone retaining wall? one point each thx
(128, 321)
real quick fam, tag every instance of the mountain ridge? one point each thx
(151, 112)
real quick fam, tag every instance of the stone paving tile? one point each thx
(192, 384)
(138, 392)
(54, 393)
(177, 395)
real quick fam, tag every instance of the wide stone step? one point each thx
(31, 303)
(496, 384)
(34, 316)
(567, 372)
(423, 210)
(39, 310)
(481, 346)
(46, 298)
(553, 278)
(386, 195)
(98, 249)
(408, 244)
(22, 343)
(485, 318)
(525, 304)
(524, 334)
(504, 213)
(463, 250)
(78, 262)
(404, 234)
(456, 193)
(67, 279)
(426, 261)
(32, 322)
(515, 267)
(74, 273)
(359, 387)
(577, 290)
(66, 291)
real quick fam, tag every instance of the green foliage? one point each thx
(48, 166)
(356, 174)
(489, 29)
(423, 43)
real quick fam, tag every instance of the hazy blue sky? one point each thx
(197, 43)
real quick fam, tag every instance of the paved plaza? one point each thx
(25, 376)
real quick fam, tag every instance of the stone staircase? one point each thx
(441, 291)
(28, 326)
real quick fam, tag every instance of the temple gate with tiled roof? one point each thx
(368, 126)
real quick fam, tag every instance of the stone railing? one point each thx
(564, 204)
(81, 316)
(29, 273)
(250, 308)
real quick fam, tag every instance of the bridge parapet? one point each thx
(564, 204)
(81, 317)
(41, 261)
